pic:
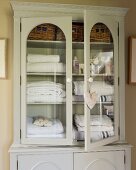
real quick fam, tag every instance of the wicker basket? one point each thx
(43, 32)
(77, 32)
(60, 35)
(100, 33)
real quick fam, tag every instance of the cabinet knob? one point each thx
(90, 80)
(69, 80)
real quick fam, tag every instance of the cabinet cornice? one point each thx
(65, 8)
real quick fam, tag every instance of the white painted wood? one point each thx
(33, 152)
(112, 24)
(36, 149)
(65, 23)
(122, 81)
(48, 161)
(128, 159)
(43, 9)
(16, 81)
(13, 161)
(67, 8)
(99, 160)
(30, 156)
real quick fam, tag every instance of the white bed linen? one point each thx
(43, 98)
(52, 91)
(46, 67)
(40, 58)
(45, 91)
(95, 120)
(95, 136)
(58, 135)
(96, 128)
(100, 87)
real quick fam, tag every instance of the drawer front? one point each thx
(51, 161)
(113, 160)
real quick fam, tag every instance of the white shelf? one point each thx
(101, 75)
(46, 44)
(45, 103)
(62, 44)
(47, 74)
(78, 75)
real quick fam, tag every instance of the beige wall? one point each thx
(6, 112)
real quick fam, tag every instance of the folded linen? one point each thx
(40, 58)
(100, 87)
(60, 135)
(44, 98)
(56, 128)
(95, 136)
(97, 128)
(78, 88)
(107, 98)
(46, 67)
(47, 91)
(44, 83)
(104, 98)
(95, 120)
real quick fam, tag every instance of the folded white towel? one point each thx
(56, 128)
(107, 98)
(60, 135)
(44, 99)
(45, 91)
(45, 84)
(46, 67)
(95, 120)
(96, 128)
(78, 88)
(56, 92)
(100, 87)
(95, 136)
(40, 58)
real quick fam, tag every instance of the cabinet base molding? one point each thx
(112, 157)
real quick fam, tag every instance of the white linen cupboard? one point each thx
(68, 87)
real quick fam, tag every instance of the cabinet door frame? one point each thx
(65, 23)
(90, 19)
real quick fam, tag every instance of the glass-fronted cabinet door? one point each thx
(101, 80)
(46, 73)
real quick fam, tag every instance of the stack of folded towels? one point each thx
(100, 127)
(44, 127)
(100, 87)
(45, 63)
(45, 91)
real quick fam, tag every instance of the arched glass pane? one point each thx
(46, 82)
(102, 73)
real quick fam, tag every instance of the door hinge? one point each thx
(119, 131)
(118, 81)
(17, 164)
(20, 133)
(118, 30)
(124, 159)
(20, 27)
(20, 81)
